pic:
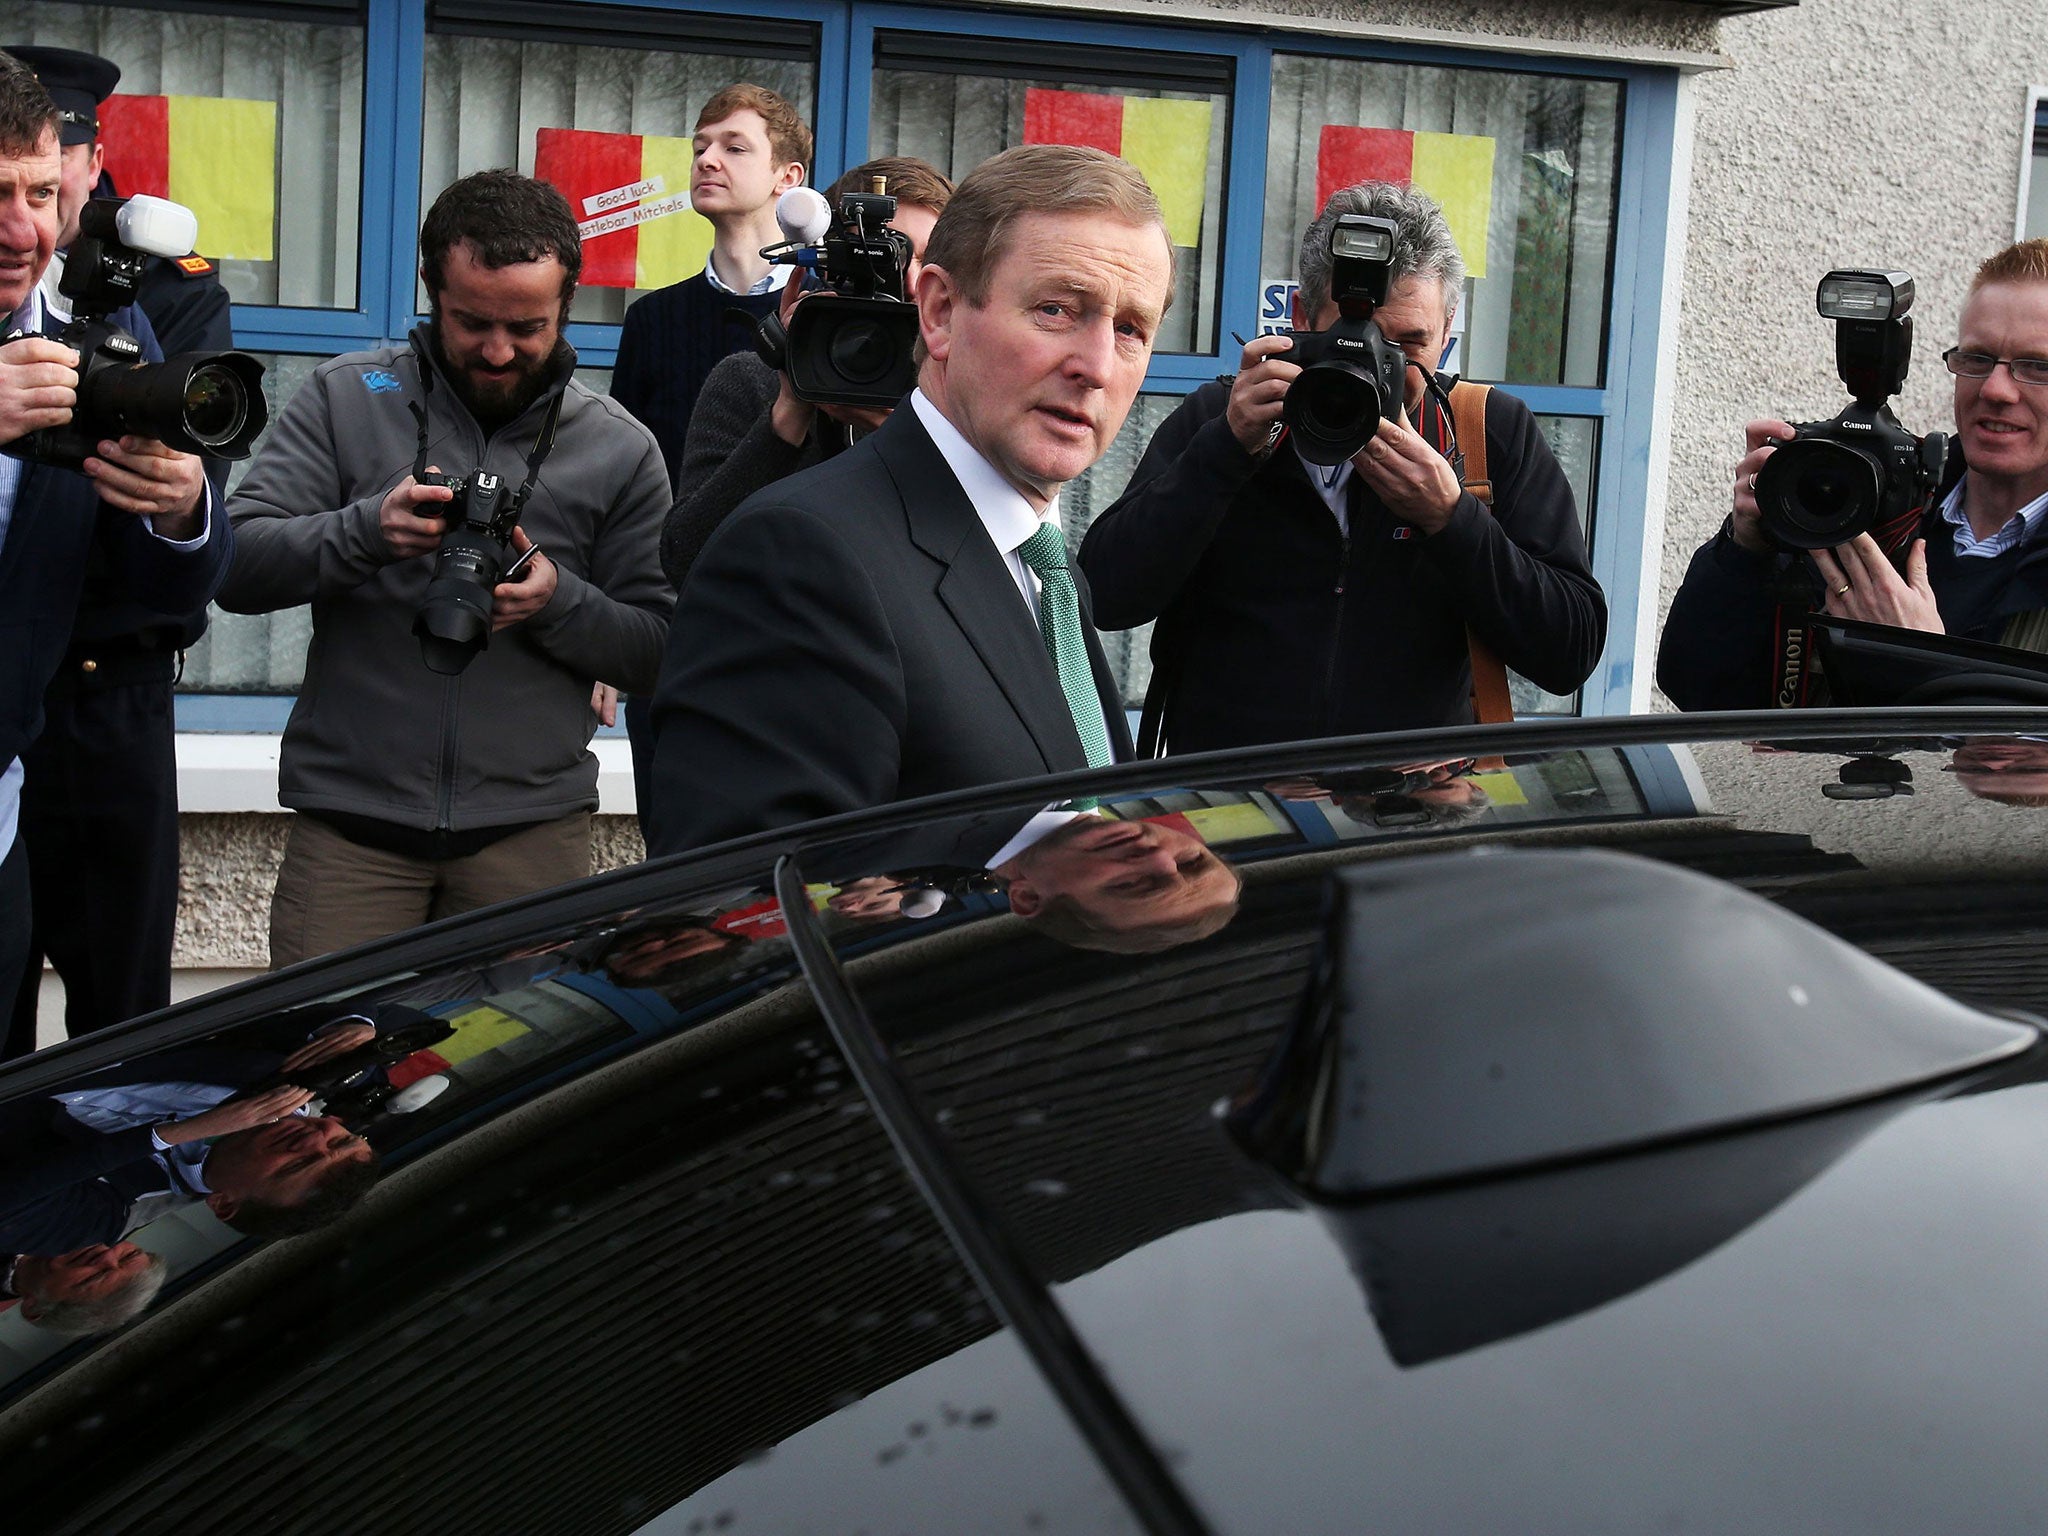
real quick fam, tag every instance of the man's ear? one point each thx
(1025, 900)
(938, 301)
(1294, 307)
(792, 176)
(223, 1206)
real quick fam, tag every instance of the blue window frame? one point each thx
(1621, 405)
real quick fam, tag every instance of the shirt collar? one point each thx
(1003, 511)
(772, 282)
(2005, 537)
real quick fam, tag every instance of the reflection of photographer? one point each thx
(1325, 565)
(143, 506)
(536, 505)
(1881, 541)
(751, 427)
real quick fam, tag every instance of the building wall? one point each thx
(1827, 144)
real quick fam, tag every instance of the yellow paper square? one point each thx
(1232, 823)
(224, 168)
(479, 1029)
(1168, 141)
(1457, 170)
(674, 245)
(1501, 788)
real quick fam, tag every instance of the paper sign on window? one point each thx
(216, 155)
(1454, 168)
(1168, 141)
(631, 196)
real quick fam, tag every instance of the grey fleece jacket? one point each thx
(374, 733)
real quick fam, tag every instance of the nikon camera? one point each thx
(854, 344)
(1351, 375)
(198, 402)
(1861, 471)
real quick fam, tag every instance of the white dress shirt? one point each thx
(1003, 511)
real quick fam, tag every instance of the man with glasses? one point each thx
(1296, 600)
(1976, 567)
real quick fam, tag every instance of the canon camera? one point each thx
(1351, 375)
(1860, 472)
(855, 342)
(197, 402)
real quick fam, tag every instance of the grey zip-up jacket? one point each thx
(374, 733)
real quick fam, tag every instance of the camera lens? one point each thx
(1815, 494)
(215, 405)
(1332, 409)
(861, 351)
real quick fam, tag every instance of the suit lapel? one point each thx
(977, 588)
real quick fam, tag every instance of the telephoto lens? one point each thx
(199, 402)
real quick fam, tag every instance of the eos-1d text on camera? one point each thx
(1860, 472)
(1351, 375)
(198, 402)
(854, 343)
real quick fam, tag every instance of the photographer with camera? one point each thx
(751, 427)
(1954, 550)
(1307, 538)
(478, 535)
(71, 479)
(99, 804)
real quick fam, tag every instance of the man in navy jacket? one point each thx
(147, 506)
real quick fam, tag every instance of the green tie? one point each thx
(1059, 620)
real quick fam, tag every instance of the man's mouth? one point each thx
(1068, 421)
(2000, 428)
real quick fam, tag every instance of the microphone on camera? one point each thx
(804, 214)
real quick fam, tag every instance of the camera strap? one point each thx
(543, 442)
(1491, 702)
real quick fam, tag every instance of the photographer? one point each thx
(422, 793)
(1975, 566)
(144, 507)
(1297, 601)
(750, 428)
(99, 805)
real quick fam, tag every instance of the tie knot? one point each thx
(1045, 550)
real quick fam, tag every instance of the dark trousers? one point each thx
(99, 820)
(14, 926)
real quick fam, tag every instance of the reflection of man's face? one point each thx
(282, 1163)
(2001, 767)
(640, 959)
(1126, 875)
(84, 1274)
(869, 896)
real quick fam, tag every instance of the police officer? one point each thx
(99, 808)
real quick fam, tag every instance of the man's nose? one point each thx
(1093, 352)
(497, 349)
(2000, 382)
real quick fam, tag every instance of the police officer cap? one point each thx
(77, 82)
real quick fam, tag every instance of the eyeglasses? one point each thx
(1981, 365)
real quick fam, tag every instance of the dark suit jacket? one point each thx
(849, 637)
(58, 518)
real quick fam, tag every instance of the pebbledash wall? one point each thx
(1700, 166)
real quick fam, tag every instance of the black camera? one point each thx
(453, 620)
(1861, 471)
(854, 344)
(1351, 375)
(198, 402)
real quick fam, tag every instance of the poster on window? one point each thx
(1454, 168)
(1168, 141)
(216, 155)
(630, 193)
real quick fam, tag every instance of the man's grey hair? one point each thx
(1422, 242)
(81, 1319)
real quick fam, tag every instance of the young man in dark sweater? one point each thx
(751, 147)
(1978, 563)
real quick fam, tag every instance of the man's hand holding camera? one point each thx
(514, 602)
(137, 475)
(1258, 392)
(413, 516)
(1411, 479)
(1861, 581)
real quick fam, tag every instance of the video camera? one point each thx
(1351, 375)
(854, 344)
(197, 402)
(453, 621)
(1862, 470)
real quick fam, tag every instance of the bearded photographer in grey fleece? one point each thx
(420, 794)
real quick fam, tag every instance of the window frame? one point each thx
(1651, 181)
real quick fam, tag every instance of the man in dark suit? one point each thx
(145, 508)
(902, 620)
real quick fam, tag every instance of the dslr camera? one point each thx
(854, 343)
(1351, 375)
(198, 402)
(1861, 471)
(453, 620)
